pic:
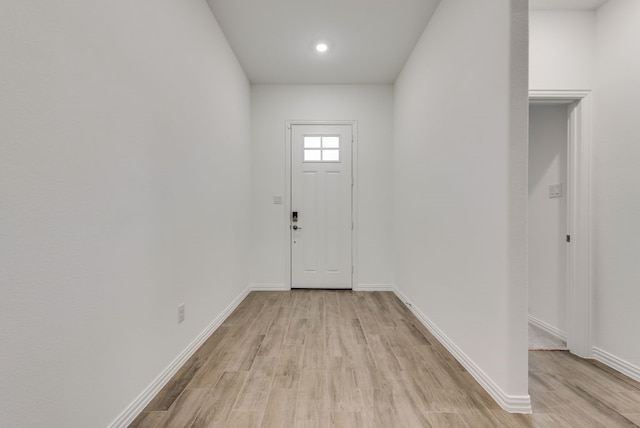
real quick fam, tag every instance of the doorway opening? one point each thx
(547, 228)
(574, 266)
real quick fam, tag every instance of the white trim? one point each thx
(133, 410)
(373, 287)
(287, 205)
(354, 194)
(510, 403)
(616, 363)
(548, 328)
(269, 287)
(555, 96)
(579, 209)
(354, 203)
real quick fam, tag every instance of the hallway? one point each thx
(341, 358)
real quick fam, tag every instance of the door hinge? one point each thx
(568, 238)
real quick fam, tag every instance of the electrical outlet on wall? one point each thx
(180, 313)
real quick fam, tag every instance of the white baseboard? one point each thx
(268, 287)
(616, 363)
(373, 287)
(510, 403)
(359, 287)
(133, 410)
(548, 328)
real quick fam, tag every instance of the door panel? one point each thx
(321, 194)
(308, 206)
(333, 217)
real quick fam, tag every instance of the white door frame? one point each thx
(354, 194)
(579, 209)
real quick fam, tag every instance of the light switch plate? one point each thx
(277, 200)
(555, 191)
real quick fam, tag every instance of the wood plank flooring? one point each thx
(314, 358)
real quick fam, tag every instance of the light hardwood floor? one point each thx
(356, 359)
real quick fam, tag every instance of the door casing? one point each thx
(354, 194)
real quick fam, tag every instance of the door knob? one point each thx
(296, 227)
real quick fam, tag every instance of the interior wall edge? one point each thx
(133, 410)
(510, 403)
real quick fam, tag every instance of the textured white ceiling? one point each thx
(369, 40)
(565, 4)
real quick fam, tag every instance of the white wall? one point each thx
(617, 175)
(547, 216)
(271, 107)
(122, 123)
(460, 185)
(561, 49)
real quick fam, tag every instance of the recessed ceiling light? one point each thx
(322, 47)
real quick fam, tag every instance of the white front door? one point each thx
(321, 194)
